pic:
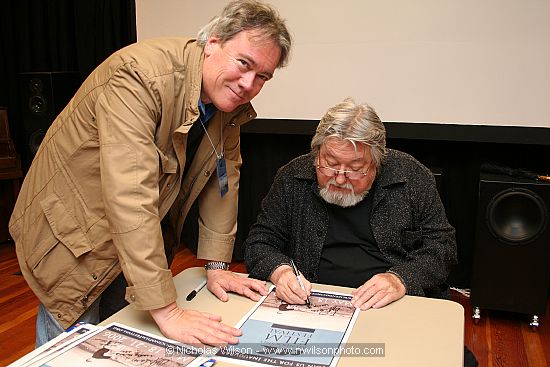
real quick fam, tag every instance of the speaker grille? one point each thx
(516, 216)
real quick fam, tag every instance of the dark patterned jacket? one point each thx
(408, 222)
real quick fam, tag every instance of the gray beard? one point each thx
(339, 198)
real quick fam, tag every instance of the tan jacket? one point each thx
(110, 168)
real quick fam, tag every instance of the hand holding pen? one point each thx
(290, 285)
(299, 277)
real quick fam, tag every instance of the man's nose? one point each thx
(340, 177)
(247, 81)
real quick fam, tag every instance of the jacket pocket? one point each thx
(56, 256)
(167, 164)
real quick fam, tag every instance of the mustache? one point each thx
(345, 185)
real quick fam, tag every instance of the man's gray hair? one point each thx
(356, 123)
(246, 15)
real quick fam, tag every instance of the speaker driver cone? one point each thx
(516, 216)
(35, 139)
(38, 105)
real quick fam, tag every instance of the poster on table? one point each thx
(54, 345)
(280, 334)
(119, 345)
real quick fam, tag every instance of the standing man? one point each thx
(355, 214)
(152, 130)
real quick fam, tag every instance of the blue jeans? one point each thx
(111, 301)
(48, 328)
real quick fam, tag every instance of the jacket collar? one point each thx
(307, 172)
(241, 115)
(390, 174)
(193, 76)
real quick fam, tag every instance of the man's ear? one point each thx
(211, 45)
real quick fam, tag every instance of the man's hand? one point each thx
(379, 291)
(222, 281)
(194, 327)
(287, 287)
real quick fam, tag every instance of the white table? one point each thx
(416, 331)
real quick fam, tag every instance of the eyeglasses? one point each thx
(350, 175)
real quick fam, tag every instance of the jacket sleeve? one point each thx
(127, 114)
(217, 214)
(430, 243)
(269, 237)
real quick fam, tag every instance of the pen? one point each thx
(197, 289)
(208, 363)
(299, 280)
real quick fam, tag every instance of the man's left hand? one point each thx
(222, 281)
(379, 291)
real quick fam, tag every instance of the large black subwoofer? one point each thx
(511, 269)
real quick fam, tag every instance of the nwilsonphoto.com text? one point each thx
(274, 349)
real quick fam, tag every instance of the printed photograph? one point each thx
(116, 346)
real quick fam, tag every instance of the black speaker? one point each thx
(511, 267)
(43, 95)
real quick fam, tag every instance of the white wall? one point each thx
(483, 62)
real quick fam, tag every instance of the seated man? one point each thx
(355, 214)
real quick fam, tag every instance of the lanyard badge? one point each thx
(221, 170)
